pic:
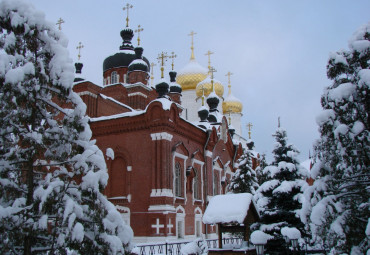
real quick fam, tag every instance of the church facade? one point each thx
(167, 153)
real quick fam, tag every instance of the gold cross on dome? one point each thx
(138, 30)
(128, 6)
(192, 33)
(59, 23)
(152, 75)
(209, 53)
(249, 125)
(79, 47)
(162, 57)
(173, 56)
(229, 82)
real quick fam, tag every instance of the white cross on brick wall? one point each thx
(157, 226)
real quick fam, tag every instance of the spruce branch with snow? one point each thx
(279, 197)
(337, 205)
(51, 174)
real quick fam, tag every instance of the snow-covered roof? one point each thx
(193, 67)
(306, 164)
(231, 98)
(139, 61)
(228, 208)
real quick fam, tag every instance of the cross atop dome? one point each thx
(128, 6)
(229, 83)
(162, 57)
(209, 53)
(138, 30)
(192, 33)
(79, 47)
(59, 23)
(173, 56)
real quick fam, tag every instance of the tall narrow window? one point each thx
(215, 183)
(113, 77)
(178, 180)
(198, 228)
(196, 185)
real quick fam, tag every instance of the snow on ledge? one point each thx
(228, 208)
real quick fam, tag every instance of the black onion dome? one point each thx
(138, 64)
(78, 77)
(162, 88)
(213, 101)
(174, 87)
(203, 114)
(126, 54)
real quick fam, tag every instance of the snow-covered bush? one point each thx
(196, 247)
(51, 173)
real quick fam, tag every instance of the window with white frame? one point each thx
(114, 77)
(178, 188)
(196, 188)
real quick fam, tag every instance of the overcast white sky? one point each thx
(277, 50)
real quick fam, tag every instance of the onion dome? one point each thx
(213, 100)
(189, 76)
(126, 54)
(203, 113)
(78, 77)
(231, 104)
(162, 88)
(206, 85)
(138, 64)
(174, 87)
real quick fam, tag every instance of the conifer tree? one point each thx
(51, 174)
(261, 177)
(338, 205)
(244, 179)
(279, 196)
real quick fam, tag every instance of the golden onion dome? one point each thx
(189, 76)
(231, 104)
(206, 86)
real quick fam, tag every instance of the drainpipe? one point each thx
(205, 174)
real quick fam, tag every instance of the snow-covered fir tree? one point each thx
(279, 197)
(337, 207)
(51, 174)
(261, 177)
(244, 179)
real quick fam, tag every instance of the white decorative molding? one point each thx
(129, 198)
(209, 154)
(87, 93)
(161, 136)
(161, 193)
(161, 208)
(129, 168)
(137, 94)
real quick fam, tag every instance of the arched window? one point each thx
(196, 185)
(114, 77)
(178, 189)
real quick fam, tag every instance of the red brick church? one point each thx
(164, 160)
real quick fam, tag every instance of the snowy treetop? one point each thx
(228, 208)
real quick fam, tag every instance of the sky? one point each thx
(276, 50)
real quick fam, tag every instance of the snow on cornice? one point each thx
(117, 102)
